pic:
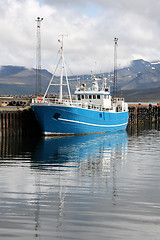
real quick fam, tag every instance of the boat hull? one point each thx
(69, 120)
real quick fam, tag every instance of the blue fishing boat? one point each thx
(92, 110)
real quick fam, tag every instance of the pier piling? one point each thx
(144, 113)
(20, 121)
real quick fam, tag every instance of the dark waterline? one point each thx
(103, 186)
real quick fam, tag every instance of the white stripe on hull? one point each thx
(92, 124)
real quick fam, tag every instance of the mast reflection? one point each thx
(80, 157)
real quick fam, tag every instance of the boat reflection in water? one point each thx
(61, 183)
(93, 151)
(78, 166)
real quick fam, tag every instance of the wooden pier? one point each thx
(19, 120)
(140, 113)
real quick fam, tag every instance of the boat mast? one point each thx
(63, 68)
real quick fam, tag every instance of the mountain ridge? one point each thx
(139, 75)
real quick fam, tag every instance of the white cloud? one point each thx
(91, 27)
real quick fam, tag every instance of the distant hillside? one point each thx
(142, 95)
(140, 75)
(21, 80)
(146, 80)
(147, 75)
(6, 71)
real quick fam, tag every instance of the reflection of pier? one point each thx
(13, 143)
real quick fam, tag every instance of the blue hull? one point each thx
(58, 119)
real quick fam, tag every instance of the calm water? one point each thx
(82, 187)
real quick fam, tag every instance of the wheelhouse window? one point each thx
(79, 97)
(94, 96)
(90, 96)
(106, 96)
(98, 96)
(86, 96)
(82, 96)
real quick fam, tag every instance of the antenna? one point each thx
(38, 56)
(115, 67)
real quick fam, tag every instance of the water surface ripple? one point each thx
(103, 186)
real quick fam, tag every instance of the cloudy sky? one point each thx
(91, 26)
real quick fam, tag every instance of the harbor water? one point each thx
(90, 187)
